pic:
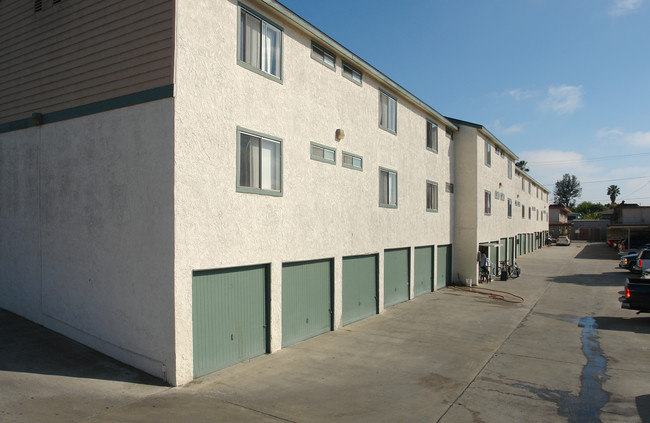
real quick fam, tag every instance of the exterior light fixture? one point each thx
(340, 134)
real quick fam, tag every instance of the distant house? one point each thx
(629, 221)
(558, 223)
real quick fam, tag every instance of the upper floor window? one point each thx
(352, 161)
(488, 154)
(352, 74)
(432, 196)
(528, 187)
(523, 211)
(449, 187)
(387, 112)
(260, 45)
(387, 188)
(259, 163)
(509, 169)
(488, 203)
(325, 57)
(523, 183)
(509, 208)
(323, 153)
(432, 136)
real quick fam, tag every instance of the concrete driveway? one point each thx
(566, 353)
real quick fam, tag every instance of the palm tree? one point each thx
(613, 191)
(523, 165)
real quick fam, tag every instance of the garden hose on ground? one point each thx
(492, 293)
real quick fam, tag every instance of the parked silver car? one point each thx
(563, 240)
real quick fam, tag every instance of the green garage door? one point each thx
(396, 276)
(229, 316)
(306, 300)
(444, 266)
(511, 250)
(423, 270)
(359, 288)
(503, 250)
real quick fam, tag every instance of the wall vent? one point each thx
(38, 5)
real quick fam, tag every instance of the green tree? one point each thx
(523, 165)
(613, 191)
(567, 190)
(587, 208)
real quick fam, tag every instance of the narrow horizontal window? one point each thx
(449, 187)
(352, 161)
(322, 153)
(352, 74)
(319, 54)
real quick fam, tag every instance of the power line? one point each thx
(548, 163)
(604, 180)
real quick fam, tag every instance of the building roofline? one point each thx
(485, 132)
(356, 60)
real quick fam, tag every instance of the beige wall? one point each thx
(326, 211)
(86, 224)
(474, 177)
(77, 52)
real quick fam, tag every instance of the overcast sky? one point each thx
(565, 84)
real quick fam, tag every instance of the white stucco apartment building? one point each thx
(186, 185)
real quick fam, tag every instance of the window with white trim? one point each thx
(387, 112)
(509, 169)
(488, 154)
(260, 44)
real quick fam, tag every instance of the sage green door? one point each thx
(511, 250)
(229, 316)
(396, 276)
(306, 300)
(503, 250)
(444, 266)
(423, 270)
(359, 287)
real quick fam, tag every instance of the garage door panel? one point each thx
(306, 300)
(229, 312)
(359, 288)
(444, 266)
(423, 270)
(396, 276)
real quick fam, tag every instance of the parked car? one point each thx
(637, 295)
(642, 261)
(628, 260)
(634, 245)
(563, 240)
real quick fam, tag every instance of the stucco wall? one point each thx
(474, 177)
(86, 224)
(326, 211)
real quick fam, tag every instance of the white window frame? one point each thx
(488, 154)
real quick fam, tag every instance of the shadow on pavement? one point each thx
(597, 251)
(596, 279)
(633, 323)
(26, 347)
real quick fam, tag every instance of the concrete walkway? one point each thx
(567, 353)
